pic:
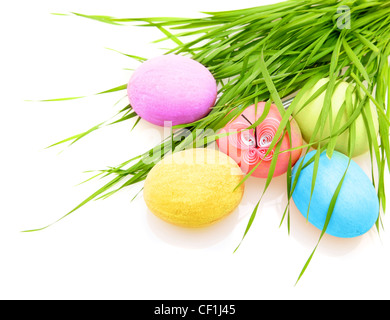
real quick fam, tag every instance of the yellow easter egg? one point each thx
(194, 187)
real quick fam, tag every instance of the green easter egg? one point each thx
(307, 116)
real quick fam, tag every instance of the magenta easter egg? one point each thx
(171, 90)
(249, 147)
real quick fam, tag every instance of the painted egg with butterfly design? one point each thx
(249, 147)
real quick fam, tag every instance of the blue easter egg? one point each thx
(357, 205)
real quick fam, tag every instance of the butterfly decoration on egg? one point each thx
(250, 147)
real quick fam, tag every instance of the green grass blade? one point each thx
(90, 198)
(100, 18)
(355, 60)
(115, 89)
(267, 183)
(332, 204)
(77, 137)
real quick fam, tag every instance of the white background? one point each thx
(114, 248)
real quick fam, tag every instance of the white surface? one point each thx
(114, 249)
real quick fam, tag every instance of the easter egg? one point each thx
(172, 89)
(194, 187)
(307, 117)
(357, 206)
(249, 147)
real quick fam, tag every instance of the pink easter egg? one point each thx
(249, 147)
(171, 90)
